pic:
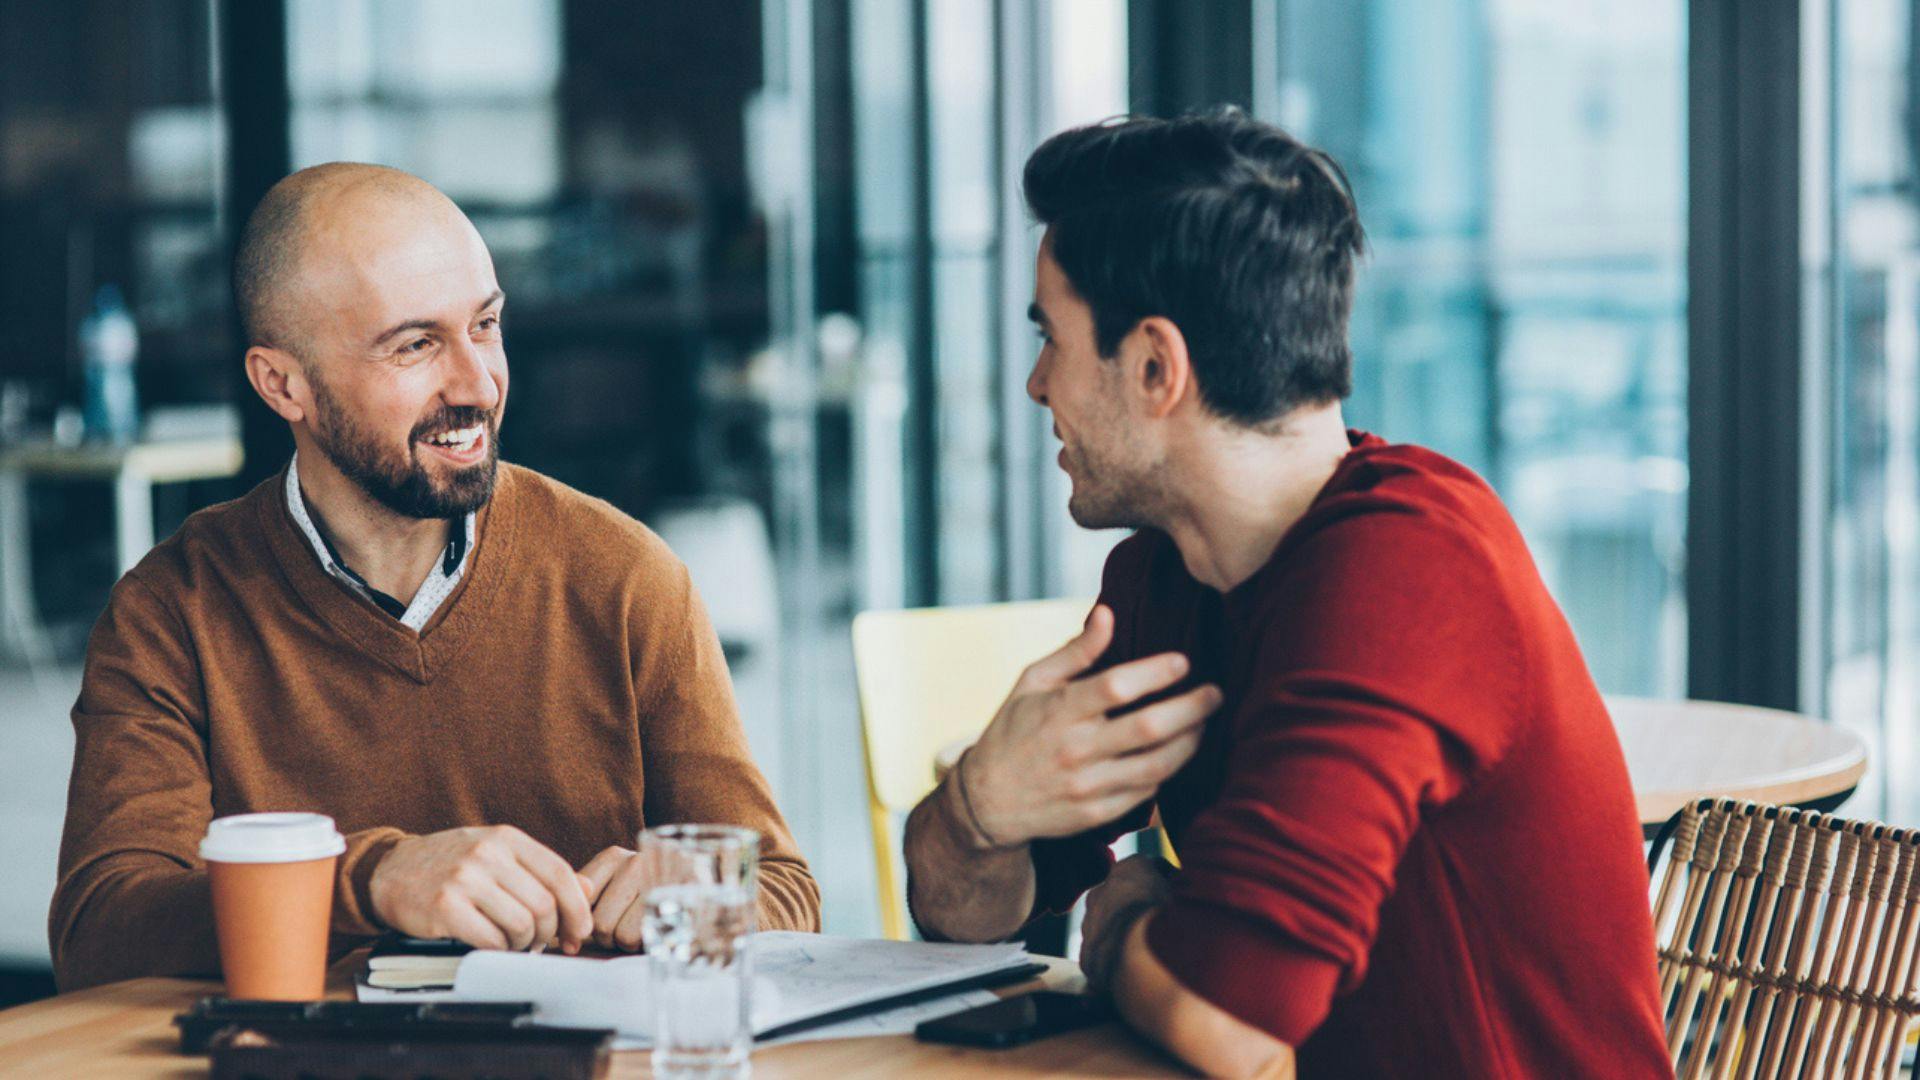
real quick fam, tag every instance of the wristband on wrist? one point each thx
(983, 838)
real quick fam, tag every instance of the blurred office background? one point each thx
(1651, 266)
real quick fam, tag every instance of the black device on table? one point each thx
(320, 1040)
(1017, 1020)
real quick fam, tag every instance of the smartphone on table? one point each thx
(1016, 1020)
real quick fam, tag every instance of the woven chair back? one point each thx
(1787, 942)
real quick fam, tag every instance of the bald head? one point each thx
(373, 322)
(324, 211)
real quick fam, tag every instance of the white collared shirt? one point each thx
(432, 593)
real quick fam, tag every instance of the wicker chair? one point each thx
(1787, 943)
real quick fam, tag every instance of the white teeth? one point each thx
(461, 439)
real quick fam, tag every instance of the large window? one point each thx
(1872, 358)
(1519, 165)
(112, 154)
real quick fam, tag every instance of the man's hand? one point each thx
(1053, 763)
(1136, 886)
(494, 887)
(616, 882)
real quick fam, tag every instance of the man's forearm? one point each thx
(129, 916)
(1213, 1041)
(958, 886)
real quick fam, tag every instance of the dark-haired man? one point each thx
(490, 681)
(1407, 841)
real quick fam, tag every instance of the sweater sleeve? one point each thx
(132, 896)
(1391, 680)
(698, 765)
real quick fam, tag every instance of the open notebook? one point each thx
(801, 981)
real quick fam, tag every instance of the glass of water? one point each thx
(700, 909)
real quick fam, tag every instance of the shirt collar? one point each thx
(457, 545)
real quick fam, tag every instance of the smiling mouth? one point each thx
(459, 441)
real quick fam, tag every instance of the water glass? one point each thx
(699, 911)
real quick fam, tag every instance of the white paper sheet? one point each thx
(796, 977)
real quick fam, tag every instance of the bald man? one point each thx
(491, 681)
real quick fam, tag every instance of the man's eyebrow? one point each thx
(493, 298)
(1036, 315)
(400, 328)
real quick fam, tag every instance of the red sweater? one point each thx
(1410, 847)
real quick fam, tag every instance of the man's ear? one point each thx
(1163, 371)
(277, 377)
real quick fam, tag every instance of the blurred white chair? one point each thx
(725, 544)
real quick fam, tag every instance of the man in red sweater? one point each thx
(1407, 839)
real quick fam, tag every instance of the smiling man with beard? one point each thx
(491, 681)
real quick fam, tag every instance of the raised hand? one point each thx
(1054, 762)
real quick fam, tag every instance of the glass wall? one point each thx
(1520, 168)
(1870, 352)
(602, 149)
(1088, 83)
(112, 166)
(112, 162)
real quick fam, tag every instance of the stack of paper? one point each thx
(411, 972)
(403, 963)
(797, 978)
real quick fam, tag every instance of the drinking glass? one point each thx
(699, 911)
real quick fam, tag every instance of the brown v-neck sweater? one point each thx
(571, 686)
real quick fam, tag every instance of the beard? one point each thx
(1106, 495)
(400, 482)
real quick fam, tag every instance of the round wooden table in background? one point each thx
(1679, 751)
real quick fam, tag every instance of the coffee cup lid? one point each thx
(271, 838)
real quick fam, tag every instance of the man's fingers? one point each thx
(600, 870)
(619, 895)
(1089, 935)
(464, 921)
(1118, 687)
(1074, 657)
(1155, 724)
(629, 934)
(505, 911)
(1113, 807)
(534, 895)
(1145, 770)
(574, 923)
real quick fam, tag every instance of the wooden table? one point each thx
(1679, 751)
(126, 1030)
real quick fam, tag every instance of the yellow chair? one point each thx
(927, 678)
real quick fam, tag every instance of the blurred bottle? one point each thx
(109, 344)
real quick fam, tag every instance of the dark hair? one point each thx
(1241, 235)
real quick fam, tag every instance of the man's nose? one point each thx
(471, 381)
(1037, 384)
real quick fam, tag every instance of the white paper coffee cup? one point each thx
(272, 884)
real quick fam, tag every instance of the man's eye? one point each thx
(489, 323)
(417, 345)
